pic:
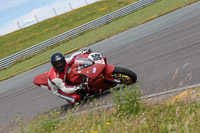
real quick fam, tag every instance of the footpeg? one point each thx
(117, 81)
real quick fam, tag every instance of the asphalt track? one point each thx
(164, 53)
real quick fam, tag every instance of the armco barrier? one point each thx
(5, 62)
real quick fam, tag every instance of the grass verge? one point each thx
(19, 40)
(131, 115)
(122, 24)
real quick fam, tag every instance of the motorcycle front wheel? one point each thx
(125, 76)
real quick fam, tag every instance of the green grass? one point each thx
(181, 116)
(141, 16)
(19, 40)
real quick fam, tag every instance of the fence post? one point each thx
(55, 11)
(70, 6)
(36, 18)
(86, 2)
(19, 25)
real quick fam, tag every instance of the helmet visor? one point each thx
(59, 64)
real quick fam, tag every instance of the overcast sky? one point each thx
(15, 13)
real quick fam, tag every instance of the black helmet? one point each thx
(58, 61)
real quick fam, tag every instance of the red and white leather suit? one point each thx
(58, 86)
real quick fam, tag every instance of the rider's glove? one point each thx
(84, 51)
(88, 51)
(79, 87)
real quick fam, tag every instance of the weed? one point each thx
(127, 101)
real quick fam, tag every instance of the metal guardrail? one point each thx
(5, 62)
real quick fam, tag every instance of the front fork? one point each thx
(85, 82)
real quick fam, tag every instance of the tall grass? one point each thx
(181, 116)
(127, 101)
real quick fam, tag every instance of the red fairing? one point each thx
(89, 72)
(73, 78)
(107, 72)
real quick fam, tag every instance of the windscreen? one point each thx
(82, 62)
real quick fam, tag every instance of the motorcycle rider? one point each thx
(57, 77)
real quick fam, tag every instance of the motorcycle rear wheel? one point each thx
(125, 76)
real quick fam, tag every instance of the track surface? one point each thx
(155, 51)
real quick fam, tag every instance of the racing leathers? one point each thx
(57, 84)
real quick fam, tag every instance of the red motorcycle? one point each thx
(92, 71)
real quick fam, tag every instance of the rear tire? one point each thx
(125, 76)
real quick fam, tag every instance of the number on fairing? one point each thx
(97, 58)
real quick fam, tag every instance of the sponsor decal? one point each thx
(79, 71)
(94, 69)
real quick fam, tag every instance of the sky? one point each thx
(16, 14)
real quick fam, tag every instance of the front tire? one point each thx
(125, 76)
